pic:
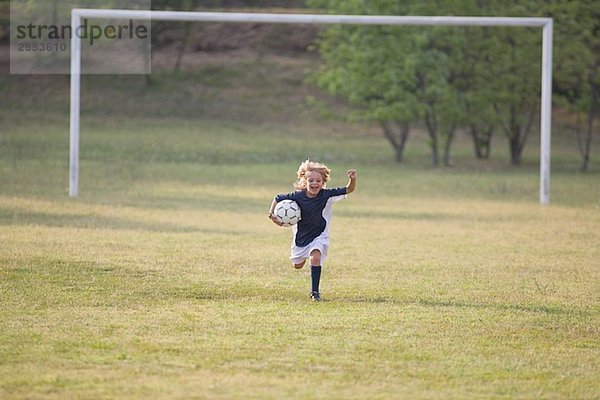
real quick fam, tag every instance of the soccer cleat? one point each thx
(315, 296)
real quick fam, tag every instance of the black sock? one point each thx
(315, 274)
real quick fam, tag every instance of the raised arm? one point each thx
(351, 181)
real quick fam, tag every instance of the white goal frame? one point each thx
(545, 23)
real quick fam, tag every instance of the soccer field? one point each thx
(165, 279)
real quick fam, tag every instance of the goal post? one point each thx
(546, 83)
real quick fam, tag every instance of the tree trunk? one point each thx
(397, 140)
(517, 134)
(188, 5)
(488, 143)
(404, 134)
(432, 129)
(514, 132)
(476, 142)
(182, 46)
(482, 141)
(148, 76)
(448, 145)
(585, 149)
(515, 150)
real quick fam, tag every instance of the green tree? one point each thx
(436, 74)
(517, 96)
(496, 70)
(480, 120)
(460, 80)
(360, 63)
(396, 75)
(4, 20)
(577, 65)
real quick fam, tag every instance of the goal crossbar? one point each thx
(77, 14)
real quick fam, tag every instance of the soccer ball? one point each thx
(287, 212)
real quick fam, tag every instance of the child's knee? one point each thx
(315, 257)
(299, 265)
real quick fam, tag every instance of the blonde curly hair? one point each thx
(306, 168)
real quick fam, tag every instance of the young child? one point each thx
(310, 239)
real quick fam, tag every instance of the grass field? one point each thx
(165, 279)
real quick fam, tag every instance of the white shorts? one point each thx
(299, 254)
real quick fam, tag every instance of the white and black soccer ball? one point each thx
(288, 212)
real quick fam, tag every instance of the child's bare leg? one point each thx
(299, 265)
(315, 258)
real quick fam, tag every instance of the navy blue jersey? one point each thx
(316, 213)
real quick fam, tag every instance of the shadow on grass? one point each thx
(541, 309)
(243, 291)
(236, 291)
(17, 217)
